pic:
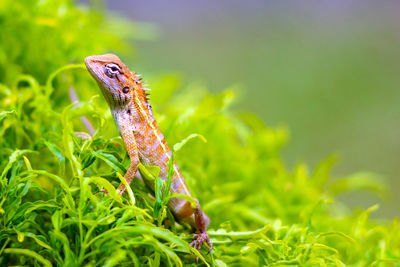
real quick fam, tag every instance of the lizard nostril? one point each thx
(125, 90)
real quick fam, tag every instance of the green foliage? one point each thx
(51, 208)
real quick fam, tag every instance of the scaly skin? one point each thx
(127, 99)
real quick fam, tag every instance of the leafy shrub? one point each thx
(52, 212)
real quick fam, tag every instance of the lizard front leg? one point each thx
(131, 147)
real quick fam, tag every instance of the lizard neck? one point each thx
(137, 115)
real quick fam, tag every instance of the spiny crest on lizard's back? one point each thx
(146, 90)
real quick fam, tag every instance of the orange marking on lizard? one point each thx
(127, 99)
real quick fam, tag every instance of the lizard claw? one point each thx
(198, 240)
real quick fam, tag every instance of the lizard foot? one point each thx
(198, 240)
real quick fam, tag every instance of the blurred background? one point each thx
(329, 70)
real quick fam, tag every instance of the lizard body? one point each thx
(128, 102)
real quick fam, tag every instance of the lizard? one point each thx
(128, 101)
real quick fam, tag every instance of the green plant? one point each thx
(52, 212)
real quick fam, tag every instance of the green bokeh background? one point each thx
(329, 70)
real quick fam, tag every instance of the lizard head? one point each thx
(115, 80)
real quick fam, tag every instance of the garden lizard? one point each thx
(144, 142)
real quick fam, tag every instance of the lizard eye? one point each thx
(125, 90)
(112, 69)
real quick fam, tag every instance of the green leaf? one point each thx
(322, 170)
(38, 240)
(149, 172)
(68, 142)
(49, 83)
(361, 181)
(101, 182)
(14, 157)
(4, 114)
(240, 235)
(179, 145)
(56, 151)
(128, 188)
(158, 205)
(111, 160)
(30, 253)
(170, 176)
(53, 177)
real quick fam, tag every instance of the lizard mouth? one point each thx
(94, 66)
(90, 63)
